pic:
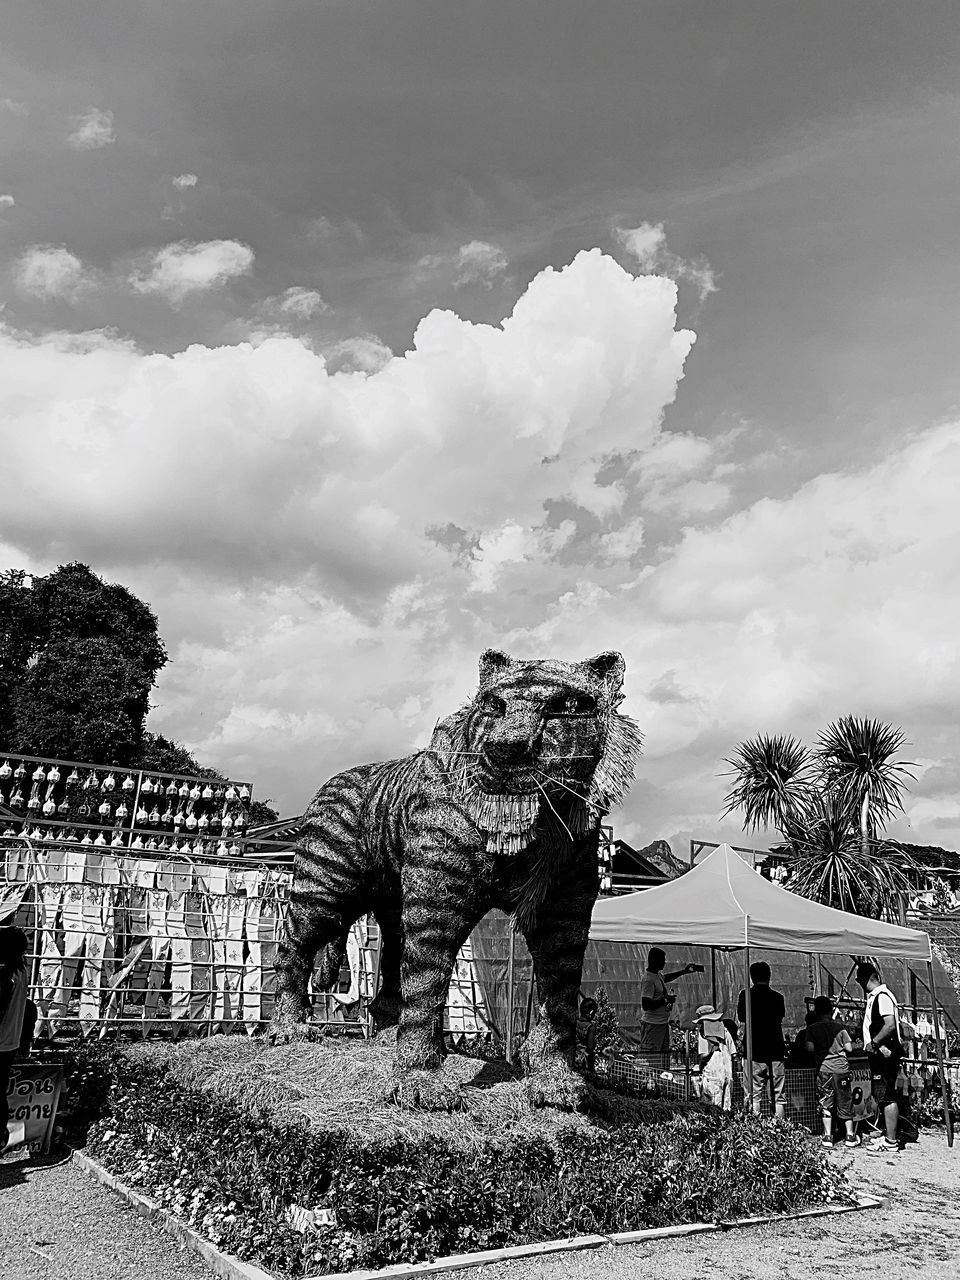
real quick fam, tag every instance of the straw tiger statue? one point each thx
(502, 810)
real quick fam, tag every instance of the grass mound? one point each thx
(235, 1136)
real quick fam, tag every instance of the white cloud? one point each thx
(50, 271)
(7, 202)
(329, 551)
(364, 353)
(304, 304)
(185, 180)
(15, 108)
(474, 263)
(91, 129)
(647, 244)
(178, 270)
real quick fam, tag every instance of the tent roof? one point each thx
(722, 902)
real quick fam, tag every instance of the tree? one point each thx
(78, 660)
(830, 807)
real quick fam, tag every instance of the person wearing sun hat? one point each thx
(715, 1051)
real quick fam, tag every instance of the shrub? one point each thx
(232, 1172)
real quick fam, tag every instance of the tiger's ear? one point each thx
(609, 667)
(492, 662)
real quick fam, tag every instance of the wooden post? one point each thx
(510, 960)
(748, 1063)
(939, 1044)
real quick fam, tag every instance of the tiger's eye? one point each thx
(492, 705)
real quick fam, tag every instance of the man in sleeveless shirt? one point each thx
(881, 1042)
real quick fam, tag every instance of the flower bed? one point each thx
(232, 1153)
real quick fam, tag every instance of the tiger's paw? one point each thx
(289, 1031)
(557, 1086)
(426, 1091)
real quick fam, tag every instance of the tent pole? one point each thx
(939, 1043)
(509, 1036)
(748, 1064)
(713, 976)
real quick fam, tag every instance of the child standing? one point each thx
(828, 1041)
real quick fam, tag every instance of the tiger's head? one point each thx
(544, 735)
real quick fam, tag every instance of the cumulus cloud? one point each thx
(329, 550)
(7, 202)
(185, 180)
(50, 271)
(15, 108)
(474, 263)
(91, 129)
(177, 270)
(647, 245)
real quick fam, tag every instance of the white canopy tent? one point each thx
(722, 902)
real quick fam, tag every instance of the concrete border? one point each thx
(221, 1264)
(229, 1267)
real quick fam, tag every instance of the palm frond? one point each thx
(856, 756)
(773, 782)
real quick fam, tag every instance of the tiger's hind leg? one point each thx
(305, 937)
(385, 1007)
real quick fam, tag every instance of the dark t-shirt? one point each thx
(769, 1011)
(827, 1054)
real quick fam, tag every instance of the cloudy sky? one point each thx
(359, 336)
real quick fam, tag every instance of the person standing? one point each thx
(828, 1042)
(13, 1003)
(656, 1002)
(881, 1043)
(715, 1051)
(767, 1011)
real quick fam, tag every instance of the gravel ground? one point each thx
(58, 1224)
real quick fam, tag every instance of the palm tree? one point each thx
(830, 808)
(773, 783)
(827, 864)
(855, 756)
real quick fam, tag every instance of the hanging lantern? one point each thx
(128, 783)
(244, 793)
(154, 817)
(104, 809)
(16, 800)
(194, 792)
(47, 835)
(167, 815)
(231, 793)
(20, 771)
(49, 807)
(142, 815)
(73, 779)
(234, 851)
(109, 783)
(191, 822)
(137, 842)
(171, 789)
(203, 822)
(184, 791)
(63, 807)
(227, 822)
(39, 774)
(86, 838)
(53, 775)
(33, 804)
(101, 841)
(122, 809)
(146, 787)
(215, 819)
(92, 782)
(5, 770)
(221, 849)
(117, 841)
(207, 792)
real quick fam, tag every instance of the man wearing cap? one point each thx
(656, 1002)
(715, 1051)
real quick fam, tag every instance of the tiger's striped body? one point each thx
(501, 811)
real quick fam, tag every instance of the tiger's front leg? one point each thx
(557, 942)
(434, 929)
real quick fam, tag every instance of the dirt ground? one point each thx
(58, 1224)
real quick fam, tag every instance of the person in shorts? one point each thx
(881, 1043)
(828, 1043)
(767, 1073)
(656, 1003)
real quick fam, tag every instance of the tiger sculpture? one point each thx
(502, 810)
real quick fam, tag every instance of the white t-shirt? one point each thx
(653, 987)
(886, 1006)
(11, 1024)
